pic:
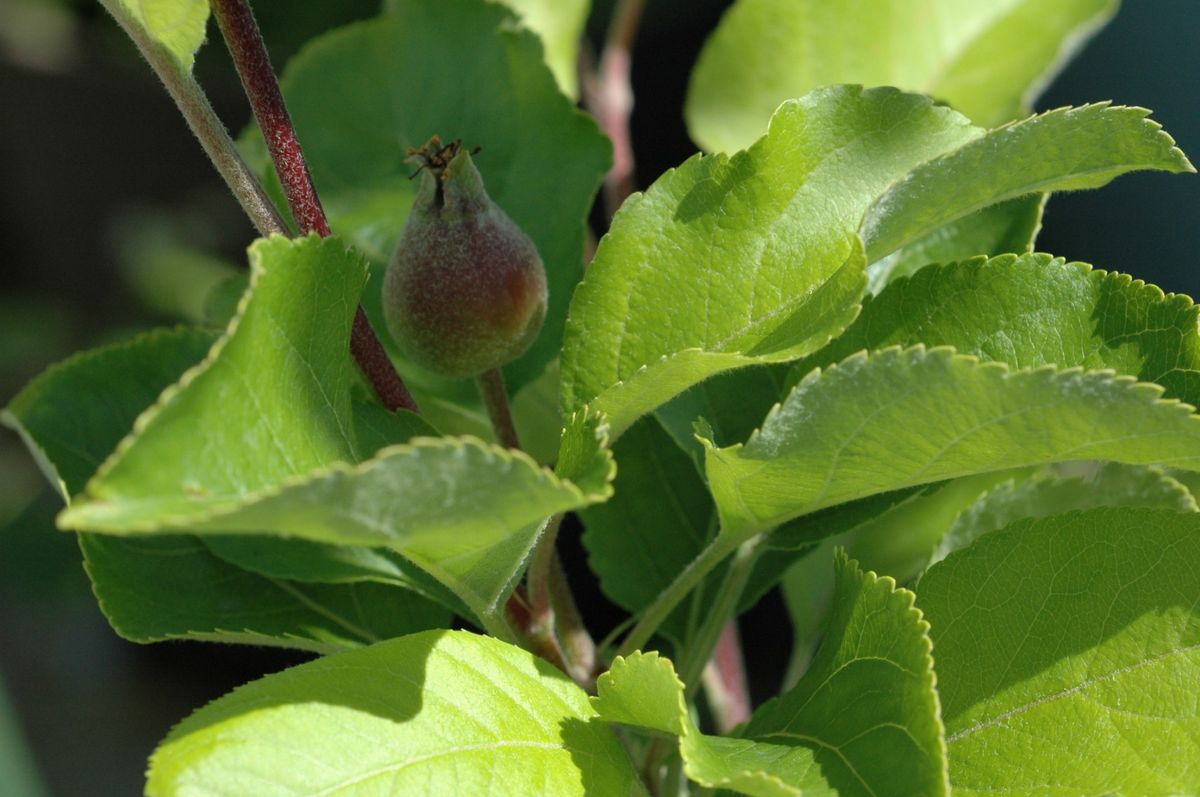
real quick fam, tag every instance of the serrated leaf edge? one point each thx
(685, 729)
(1106, 107)
(257, 270)
(1130, 383)
(869, 579)
(417, 445)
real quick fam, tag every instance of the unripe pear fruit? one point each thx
(465, 291)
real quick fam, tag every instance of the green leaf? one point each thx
(729, 404)
(363, 94)
(900, 418)
(261, 437)
(657, 521)
(643, 690)
(1035, 310)
(1064, 150)
(465, 512)
(174, 28)
(271, 400)
(728, 262)
(1085, 673)
(435, 713)
(74, 414)
(866, 713)
(1009, 227)
(890, 534)
(1103, 484)
(226, 450)
(559, 24)
(863, 721)
(307, 562)
(989, 60)
(172, 587)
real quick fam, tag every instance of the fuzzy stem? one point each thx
(700, 647)
(495, 399)
(203, 121)
(246, 46)
(658, 611)
(545, 588)
(611, 99)
(236, 21)
(551, 619)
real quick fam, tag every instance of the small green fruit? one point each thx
(465, 291)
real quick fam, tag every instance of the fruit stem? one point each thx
(181, 85)
(495, 399)
(253, 64)
(609, 96)
(551, 620)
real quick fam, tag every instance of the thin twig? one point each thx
(610, 99)
(205, 125)
(249, 52)
(245, 42)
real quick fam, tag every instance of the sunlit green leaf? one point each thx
(988, 59)
(434, 713)
(863, 721)
(1070, 645)
(262, 438)
(1009, 227)
(1035, 310)
(1063, 150)
(900, 418)
(173, 27)
(1107, 484)
(73, 416)
(727, 262)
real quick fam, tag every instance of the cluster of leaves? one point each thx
(761, 348)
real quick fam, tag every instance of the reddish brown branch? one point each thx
(245, 42)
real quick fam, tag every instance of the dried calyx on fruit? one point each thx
(465, 291)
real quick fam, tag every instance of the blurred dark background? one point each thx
(112, 221)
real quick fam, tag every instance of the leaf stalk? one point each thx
(198, 112)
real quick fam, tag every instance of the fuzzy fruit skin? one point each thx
(465, 291)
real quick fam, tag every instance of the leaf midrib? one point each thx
(1067, 692)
